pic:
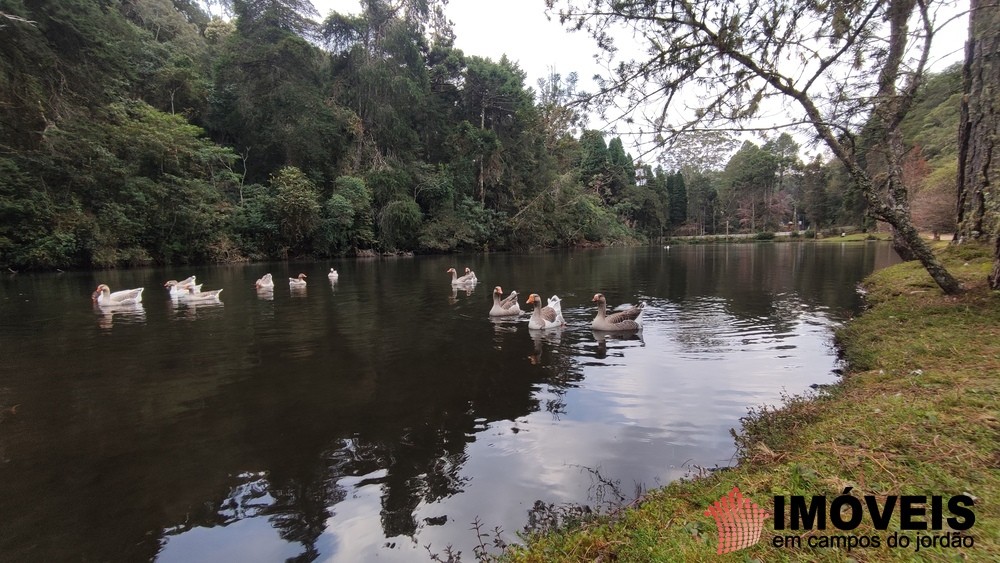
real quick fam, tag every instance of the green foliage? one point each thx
(254, 225)
(446, 233)
(595, 222)
(470, 227)
(390, 138)
(267, 18)
(594, 158)
(348, 222)
(933, 124)
(399, 223)
(268, 102)
(567, 215)
(75, 55)
(296, 206)
(677, 193)
(151, 190)
(34, 230)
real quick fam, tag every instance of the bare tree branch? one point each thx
(844, 69)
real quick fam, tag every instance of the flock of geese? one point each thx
(550, 315)
(188, 290)
(542, 317)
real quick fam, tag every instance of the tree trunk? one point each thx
(898, 197)
(922, 252)
(995, 274)
(905, 253)
(978, 167)
(898, 218)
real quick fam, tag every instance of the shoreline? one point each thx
(370, 255)
(915, 414)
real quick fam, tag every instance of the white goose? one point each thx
(186, 281)
(471, 275)
(333, 275)
(556, 304)
(627, 320)
(103, 296)
(177, 288)
(197, 295)
(265, 283)
(456, 280)
(504, 308)
(545, 317)
(297, 282)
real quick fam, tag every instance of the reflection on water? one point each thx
(389, 413)
(108, 314)
(545, 340)
(465, 290)
(192, 310)
(617, 342)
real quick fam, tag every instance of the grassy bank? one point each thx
(917, 414)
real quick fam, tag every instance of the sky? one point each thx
(521, 30)
(517, 28)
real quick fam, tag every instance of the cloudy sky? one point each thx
(522, 30)
(517, 28)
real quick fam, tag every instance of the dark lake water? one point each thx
(366, 419)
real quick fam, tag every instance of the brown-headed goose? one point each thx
(504, 307)
(103, 296)
(629, 319)
(549, 316)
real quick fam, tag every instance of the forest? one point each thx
(149, 132)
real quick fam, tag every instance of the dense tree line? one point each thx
(147, 131)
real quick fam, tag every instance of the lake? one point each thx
(368, 418)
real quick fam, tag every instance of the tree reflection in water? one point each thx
(367, 415)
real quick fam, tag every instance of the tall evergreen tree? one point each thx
(268, 19)
(678, 199)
